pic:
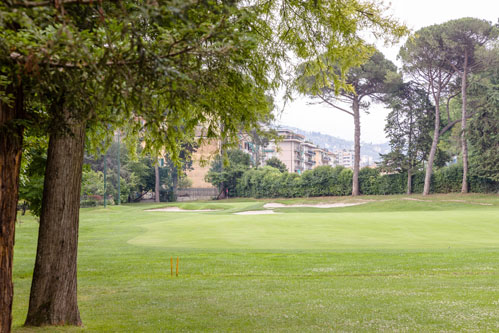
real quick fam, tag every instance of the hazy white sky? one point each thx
(415, 14)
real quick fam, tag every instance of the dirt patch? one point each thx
(256, 212)
(177, 209)
(320, 205)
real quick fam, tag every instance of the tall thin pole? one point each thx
(105, 178)
(119, 166)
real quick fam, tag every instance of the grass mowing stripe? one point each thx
(360, 268)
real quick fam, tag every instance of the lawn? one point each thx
(390, 264)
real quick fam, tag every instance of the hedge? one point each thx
(269, 182)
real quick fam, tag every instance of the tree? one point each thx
(423, 59)
(276, 163)
(462, 39)
(11, 138)
(408, 126)
(176, 64)
(226, 170)
(367, 83)
(484, 127)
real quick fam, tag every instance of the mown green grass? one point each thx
(388, 265)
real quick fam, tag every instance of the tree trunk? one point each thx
(156, 183)
(53, 297)
(464, 144)
(356, 162)
(11, 138)
(433, 151)
(409, 181)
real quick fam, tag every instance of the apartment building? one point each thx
(293, 150)
(298, 154)
(290, 150)
(322, 157)
(346, 158)
(333, 158)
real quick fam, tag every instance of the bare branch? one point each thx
(334, 106)
(451, 124)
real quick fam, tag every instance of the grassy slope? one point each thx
(385, 265)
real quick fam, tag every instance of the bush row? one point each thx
(269, 182)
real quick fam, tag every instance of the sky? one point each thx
(415, 14)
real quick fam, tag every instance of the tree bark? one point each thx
(53, 297)
(409, 181)
(156, 183)
(11, 139)
(433, 151)
(464, 144)
(356, 162)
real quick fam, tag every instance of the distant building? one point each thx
(201, 160)
(345, 158)
(322, 157)
(293, 150)
(309, 155)
(290, 150)
(333, 158)
(298, 154)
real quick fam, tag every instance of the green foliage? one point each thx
(484, 127)
(368, 180)
(32, 172)
(225, 171)
(408, 127)
(275, 162)
(268, 182)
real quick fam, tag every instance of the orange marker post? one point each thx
(177, 267)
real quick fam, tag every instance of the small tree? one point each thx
(226, 171)
(276, 163)
(408, 126)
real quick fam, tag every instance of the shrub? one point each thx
(268, 182)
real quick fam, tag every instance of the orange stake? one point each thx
(171, 266)
(177, 267)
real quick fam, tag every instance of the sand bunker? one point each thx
(176, 209)
(256, 212)
(320, 205)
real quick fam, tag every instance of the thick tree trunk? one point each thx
(356, 162)
(409, 181)
(156, 183)
(433, 151)
(11, 138)
(464, 144)
(53, 298)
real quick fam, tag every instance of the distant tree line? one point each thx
(241, 180)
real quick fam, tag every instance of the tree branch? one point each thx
(334, 106)
(451, 124)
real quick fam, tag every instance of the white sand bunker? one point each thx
(256, 212)
(320, 205)
(177, 209)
